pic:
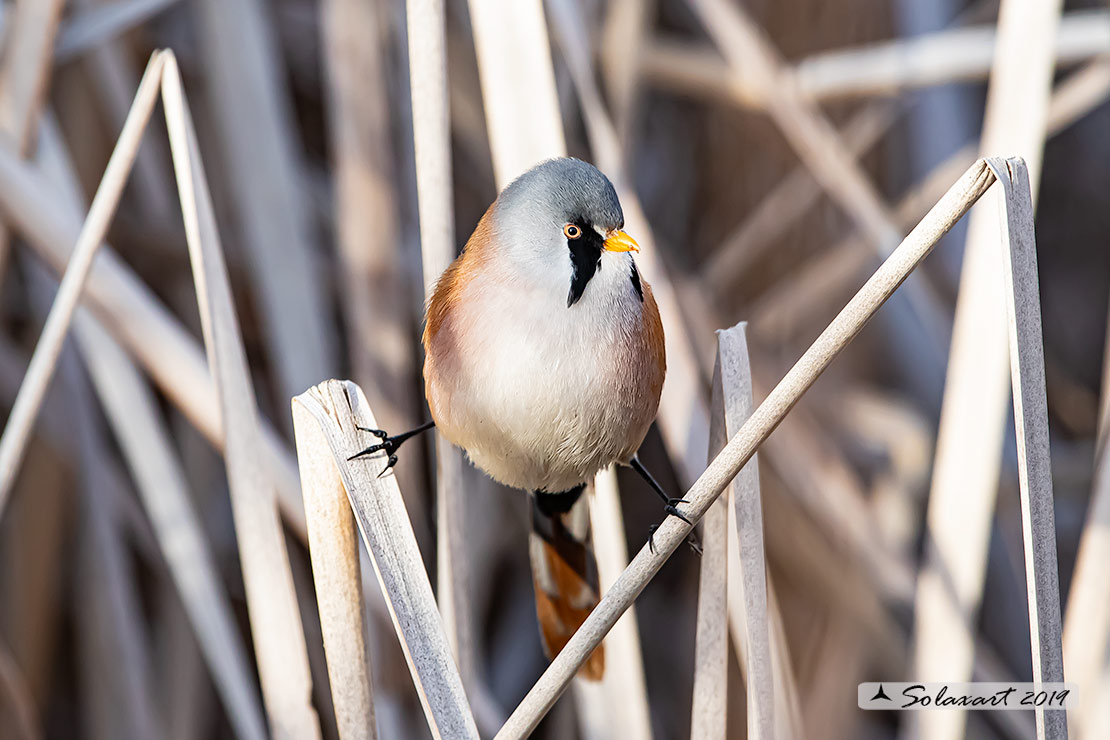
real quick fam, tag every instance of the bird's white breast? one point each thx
(539, 394)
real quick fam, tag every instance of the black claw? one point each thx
(675, 512)
(691, 539)
(389, 465)
(379, 433)
(370, 450)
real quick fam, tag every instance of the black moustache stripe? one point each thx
(585, 260)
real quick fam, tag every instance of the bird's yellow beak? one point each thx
(618, 241)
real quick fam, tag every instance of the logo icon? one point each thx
(880, 694)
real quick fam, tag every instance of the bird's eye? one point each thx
(571, 231)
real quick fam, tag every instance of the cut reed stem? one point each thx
(271, 598)
(1023, 312)
(333, 543)
(338, 409)
(973, 414)
(734, 377)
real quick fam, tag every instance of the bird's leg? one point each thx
(668, 502)
(670, 505)
(389, 444)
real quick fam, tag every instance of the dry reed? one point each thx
(328, 218)
(337, 410)
(969, 439)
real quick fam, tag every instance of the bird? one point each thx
(545, 362)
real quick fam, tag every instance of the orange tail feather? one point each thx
(564, 574)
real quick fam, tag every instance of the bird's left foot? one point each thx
(670, 505)
(691, 539)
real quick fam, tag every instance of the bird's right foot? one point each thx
(389, 444)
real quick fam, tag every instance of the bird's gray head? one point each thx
(558, 220)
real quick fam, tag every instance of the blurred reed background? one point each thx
(767, 153)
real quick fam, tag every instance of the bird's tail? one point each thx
(564, 572)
